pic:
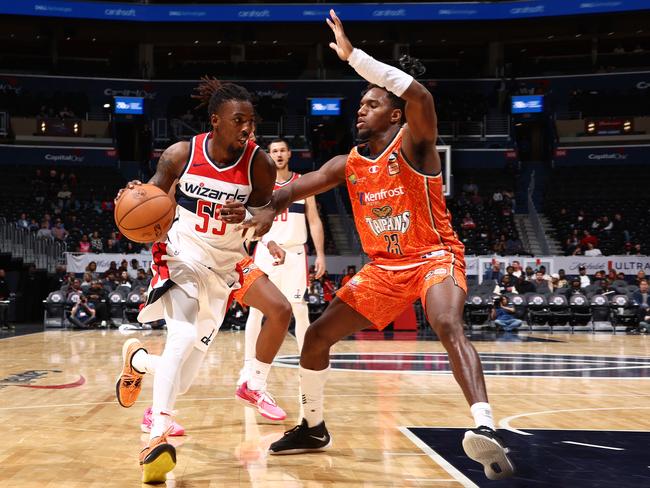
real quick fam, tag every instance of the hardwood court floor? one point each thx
(76, 435)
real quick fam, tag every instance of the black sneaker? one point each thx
(303, 439)
(484, 446)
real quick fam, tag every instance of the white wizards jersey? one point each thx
(289, 228)
(202, 189)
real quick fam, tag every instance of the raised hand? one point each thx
(342, 46)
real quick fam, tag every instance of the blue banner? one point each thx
(317, 12)
(638, 154)
(57, 156)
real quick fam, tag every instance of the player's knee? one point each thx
(279, 311)
(316, 339)
(447, 326)
(181, 338)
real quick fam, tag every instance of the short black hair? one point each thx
(395, 101)
(225, 93)
(279, 140)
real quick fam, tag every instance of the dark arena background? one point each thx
(543, 112)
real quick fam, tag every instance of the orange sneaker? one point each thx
(129, 382)
(157, 459)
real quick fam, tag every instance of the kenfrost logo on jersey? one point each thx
(200, 190)
(387, 222)
(378, 196)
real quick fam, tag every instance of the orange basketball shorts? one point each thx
(381, 295)
(250, 272)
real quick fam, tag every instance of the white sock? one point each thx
(312, 384)
(258, 374)
(145, 362)
(251, 333)
(160, 423)
(482, 413)
(301, 313)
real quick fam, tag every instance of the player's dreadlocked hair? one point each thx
(395, 101)
(212, 93)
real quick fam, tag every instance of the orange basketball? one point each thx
(144, 213)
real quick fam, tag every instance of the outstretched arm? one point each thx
(331, 174)
(421, 133)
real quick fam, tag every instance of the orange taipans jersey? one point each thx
(400, 213)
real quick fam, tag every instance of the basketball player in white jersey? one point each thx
(289, 232)
(195, 269)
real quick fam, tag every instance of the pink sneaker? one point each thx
(262, 401)
(147, 420)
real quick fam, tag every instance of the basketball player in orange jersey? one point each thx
(195, 269)
(395, 184)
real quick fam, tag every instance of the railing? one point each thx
(183, 130)
(350, 232)
(535, 220)
(21, 243)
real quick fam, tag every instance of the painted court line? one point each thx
(594, 445)
(444, 464)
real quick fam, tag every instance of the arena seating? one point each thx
(601, 191)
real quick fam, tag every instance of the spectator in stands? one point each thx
(133, 270)
(611, 275)
(352, 270)
(97, 299)
(141, 280)
(468, 222)
(542, 269)
(22, 222)
(328, 288)
(619, 227)
(493, 274)
(606, 287)
(44, 232)
(33, 225)
(575, 288)
(124, 266)
(91, 268)
(112, 269)
(592, 251)
(74, 288)
(503, 316)
(108, 205)
(585, 281)
(524, 286)
(637, 250)
(506, 285)
(63, 197)
(59, 232)
(563, 281)
(509, 271)
(588, 238)
(554, 284)
(82, 314)
(529, 273)
(86, 281)
(642, 299)
(124, 279)
(470, 187)
(640, 276)
(96, 242)
(516, 266)
(577, 251)
(84, 244)
(541, 285)
(112, 246)
(4, 297)
(110, 282)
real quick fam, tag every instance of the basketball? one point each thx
(144, 213)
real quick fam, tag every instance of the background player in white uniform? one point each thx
(195, 268)
(289, 231)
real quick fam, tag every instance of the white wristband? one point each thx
(378, 73)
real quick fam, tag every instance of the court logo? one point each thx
(27, 379)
